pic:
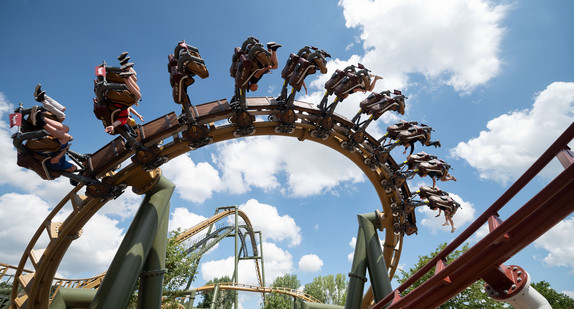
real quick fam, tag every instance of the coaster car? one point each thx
(116, 92)
(306, 66)
(36, 148)
(376, 104)
(413, 160)
(182, 66)
(435, 198)
(246, 60)
(112, 94)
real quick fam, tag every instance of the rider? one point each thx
(272, 48)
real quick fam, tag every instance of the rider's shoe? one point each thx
(127, 66)
(39, 94)
(122, 56)
(273, 46)
(125, 60)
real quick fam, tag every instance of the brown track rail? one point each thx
(37, 284)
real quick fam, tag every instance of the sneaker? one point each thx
(37, 90)
(40, 97)
(445, 224)
(453, 229)
(127, 66)
(122, 56)
(125, 60)
(127, 74)
(273, 46)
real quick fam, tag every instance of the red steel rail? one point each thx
(547, 208)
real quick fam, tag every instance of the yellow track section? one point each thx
(36, 284)
(258, 289)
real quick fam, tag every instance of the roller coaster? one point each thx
(145, 148)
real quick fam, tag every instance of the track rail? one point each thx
(258, 289)
(484, 260)
(36, 284)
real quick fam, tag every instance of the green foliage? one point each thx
(180, 266)
(556, 300)
(329, 289)
(279, 301)
(224, 299)
(472, 297)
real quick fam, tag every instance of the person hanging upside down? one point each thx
(54, 127)
(272, 47)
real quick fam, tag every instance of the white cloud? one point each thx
(310, 263)
(266, 218)
(352, 243)
(100, 241)
(448, 41)
(194, 182)
(560, 249)
(183, 219)
(310, 168)
(99, 233)
(515, 140)
(465, 214)
(278, 262)
(19, 225)
(569, 293)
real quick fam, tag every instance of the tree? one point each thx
(329, 289)
(280, 301)
(472, 297)
(556, 300)
(224, 298)
(179, 265)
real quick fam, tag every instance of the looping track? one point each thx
(45, 261)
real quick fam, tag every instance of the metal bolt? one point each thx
(519, 273)
(519, 279)
(513, 286)
(515, 268)
(505, 292)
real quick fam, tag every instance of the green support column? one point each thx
(120, 280)
(357, 275)
(368, 254)
(215, 292)
(236, 272)
(378, 274)
(152, 274)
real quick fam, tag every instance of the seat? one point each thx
(183, 65)
(112, 94)
(36, 146)
(377, 104)
(245, 63)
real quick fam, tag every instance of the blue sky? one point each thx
(493, 78)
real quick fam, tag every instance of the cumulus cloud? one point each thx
(278, 262)
(515, 140)
(310, 168)
(352, 243)
(20, 217)
(182, 218)
(451, 42)
(560, 249)
(194, 182)
(464, 215)
(266, 218)
(100, 240)
(310, 263)
(19, 226)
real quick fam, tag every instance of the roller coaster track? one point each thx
(258, 289)
(32, 289)
(6, 271)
